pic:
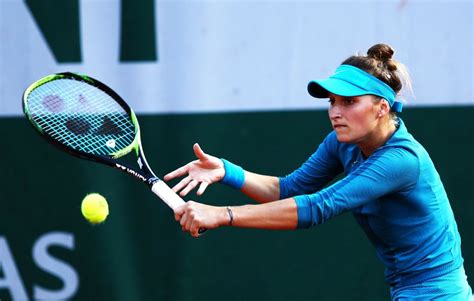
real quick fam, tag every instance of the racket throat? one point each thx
(152, 180)
(132, 172)
(150, 177)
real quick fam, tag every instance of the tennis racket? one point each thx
(87, 119)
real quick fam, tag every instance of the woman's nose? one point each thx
(334, 112)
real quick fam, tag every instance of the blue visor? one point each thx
(352, 81)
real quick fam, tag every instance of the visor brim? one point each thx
(321, 88)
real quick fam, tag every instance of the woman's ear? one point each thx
(384, 107)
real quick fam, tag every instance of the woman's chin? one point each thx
(343, 138)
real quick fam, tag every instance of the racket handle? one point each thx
(167, 195)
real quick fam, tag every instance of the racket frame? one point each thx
(145, 174)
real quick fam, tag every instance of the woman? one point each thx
(390, 183)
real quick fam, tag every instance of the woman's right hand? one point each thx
(205, 170)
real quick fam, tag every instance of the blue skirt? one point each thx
(452, 286)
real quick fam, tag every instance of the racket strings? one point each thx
(89, 143)
(81, 116)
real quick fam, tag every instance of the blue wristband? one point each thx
(234, 175)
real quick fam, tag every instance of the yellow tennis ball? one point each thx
(94, 208)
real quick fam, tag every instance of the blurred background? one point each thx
(232, 76)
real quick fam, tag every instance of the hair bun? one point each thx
(381, 52)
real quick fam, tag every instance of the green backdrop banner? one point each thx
(47, 250)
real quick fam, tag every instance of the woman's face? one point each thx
(355, 118)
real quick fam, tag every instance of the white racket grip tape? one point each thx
(167, 195)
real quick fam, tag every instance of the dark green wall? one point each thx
(140, 253)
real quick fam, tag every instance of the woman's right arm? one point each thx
(316, 172)
(208, 169)
(261, 188)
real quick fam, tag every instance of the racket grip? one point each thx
(167, 195)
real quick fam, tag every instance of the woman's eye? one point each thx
(348, 101)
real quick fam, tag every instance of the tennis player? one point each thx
(390, 184)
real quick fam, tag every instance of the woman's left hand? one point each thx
(194, 216)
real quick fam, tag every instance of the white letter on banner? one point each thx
(54, 266)
(12, 280)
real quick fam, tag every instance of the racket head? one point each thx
(82, 116)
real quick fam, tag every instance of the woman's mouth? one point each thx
(339, 126)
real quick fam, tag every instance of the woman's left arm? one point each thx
(279, 215)
(388, 171)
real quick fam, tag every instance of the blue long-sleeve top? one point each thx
(396, 195)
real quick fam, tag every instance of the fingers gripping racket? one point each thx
(87, 119)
